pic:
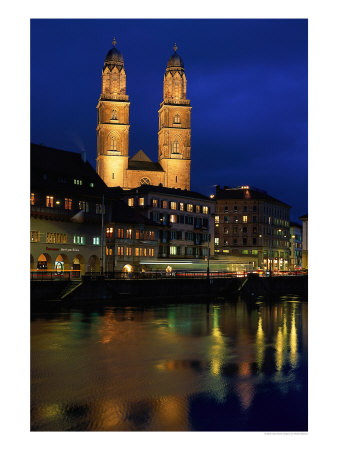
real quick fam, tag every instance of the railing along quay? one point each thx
(68, 275)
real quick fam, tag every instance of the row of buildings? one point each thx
(80, 224)
(134, 215)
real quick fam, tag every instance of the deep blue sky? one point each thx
(247, 82)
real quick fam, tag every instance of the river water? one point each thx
(176, 367)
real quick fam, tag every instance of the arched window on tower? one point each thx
(114, 115)
(113, 143)
(175, 147)
(177, 119)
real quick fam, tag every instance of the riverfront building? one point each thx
(304, 220)
(66, 208)
(251, 229)
(186, 218)
(132, 240)
(174, 136)
(67, 217)
(295, 245)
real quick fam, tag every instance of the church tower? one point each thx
(174, 135)
(113, 122)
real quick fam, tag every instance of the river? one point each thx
(176, 367)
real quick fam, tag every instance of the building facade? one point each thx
(304, 220)
(66, 212)
(174, 136)
(132, 240)
(186, 218)
(251, 228)
(295, 245)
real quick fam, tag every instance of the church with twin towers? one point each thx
(113, 163)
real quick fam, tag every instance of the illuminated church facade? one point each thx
(113, 163)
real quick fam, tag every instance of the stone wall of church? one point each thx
(133, 178)
(177, 173)
(112, 169)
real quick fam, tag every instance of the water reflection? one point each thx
(178, 367)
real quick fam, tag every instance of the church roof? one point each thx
(140, 156)
(114, 57)
(144, 165)
(175, 60)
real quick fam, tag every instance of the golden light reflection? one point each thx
(218, 348)
(293, 339)
(260, 343)
(279, 349)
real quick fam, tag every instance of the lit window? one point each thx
(35, 236)
(175, 147)
(49, 201)
(68, 203)
(245, 219)
(151, 235)
(129, 251)
(137, 251)
(151, 252)
(205, 210)
(177, 119)
(164, 204)
(181, 206)
(91, 185)
(141, 201)
(120, 233)
(96, 241)
(173, 250)
(245, 252)
(198, 208)
(144, 180)
(173, 205)
(137, 234)
(113, 143)
(130, 202)
(77, 182)
(32, 199)
(109, 232)
(216, 240)
(254, 252)
(173, 218)
(216, 219)
(129, 234)
(120, 251)
(84, 206)
(226, 251)
(155, 203)
(190, 207)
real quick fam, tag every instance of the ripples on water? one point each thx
(179, 367)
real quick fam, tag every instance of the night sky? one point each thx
(247, 83)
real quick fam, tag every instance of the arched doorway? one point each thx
(94, 264)
(127, 271)
(61, 263)
(44, 262)
(78, 266)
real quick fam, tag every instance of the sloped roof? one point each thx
(144, 165)
(140, 156)
(246, 194)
